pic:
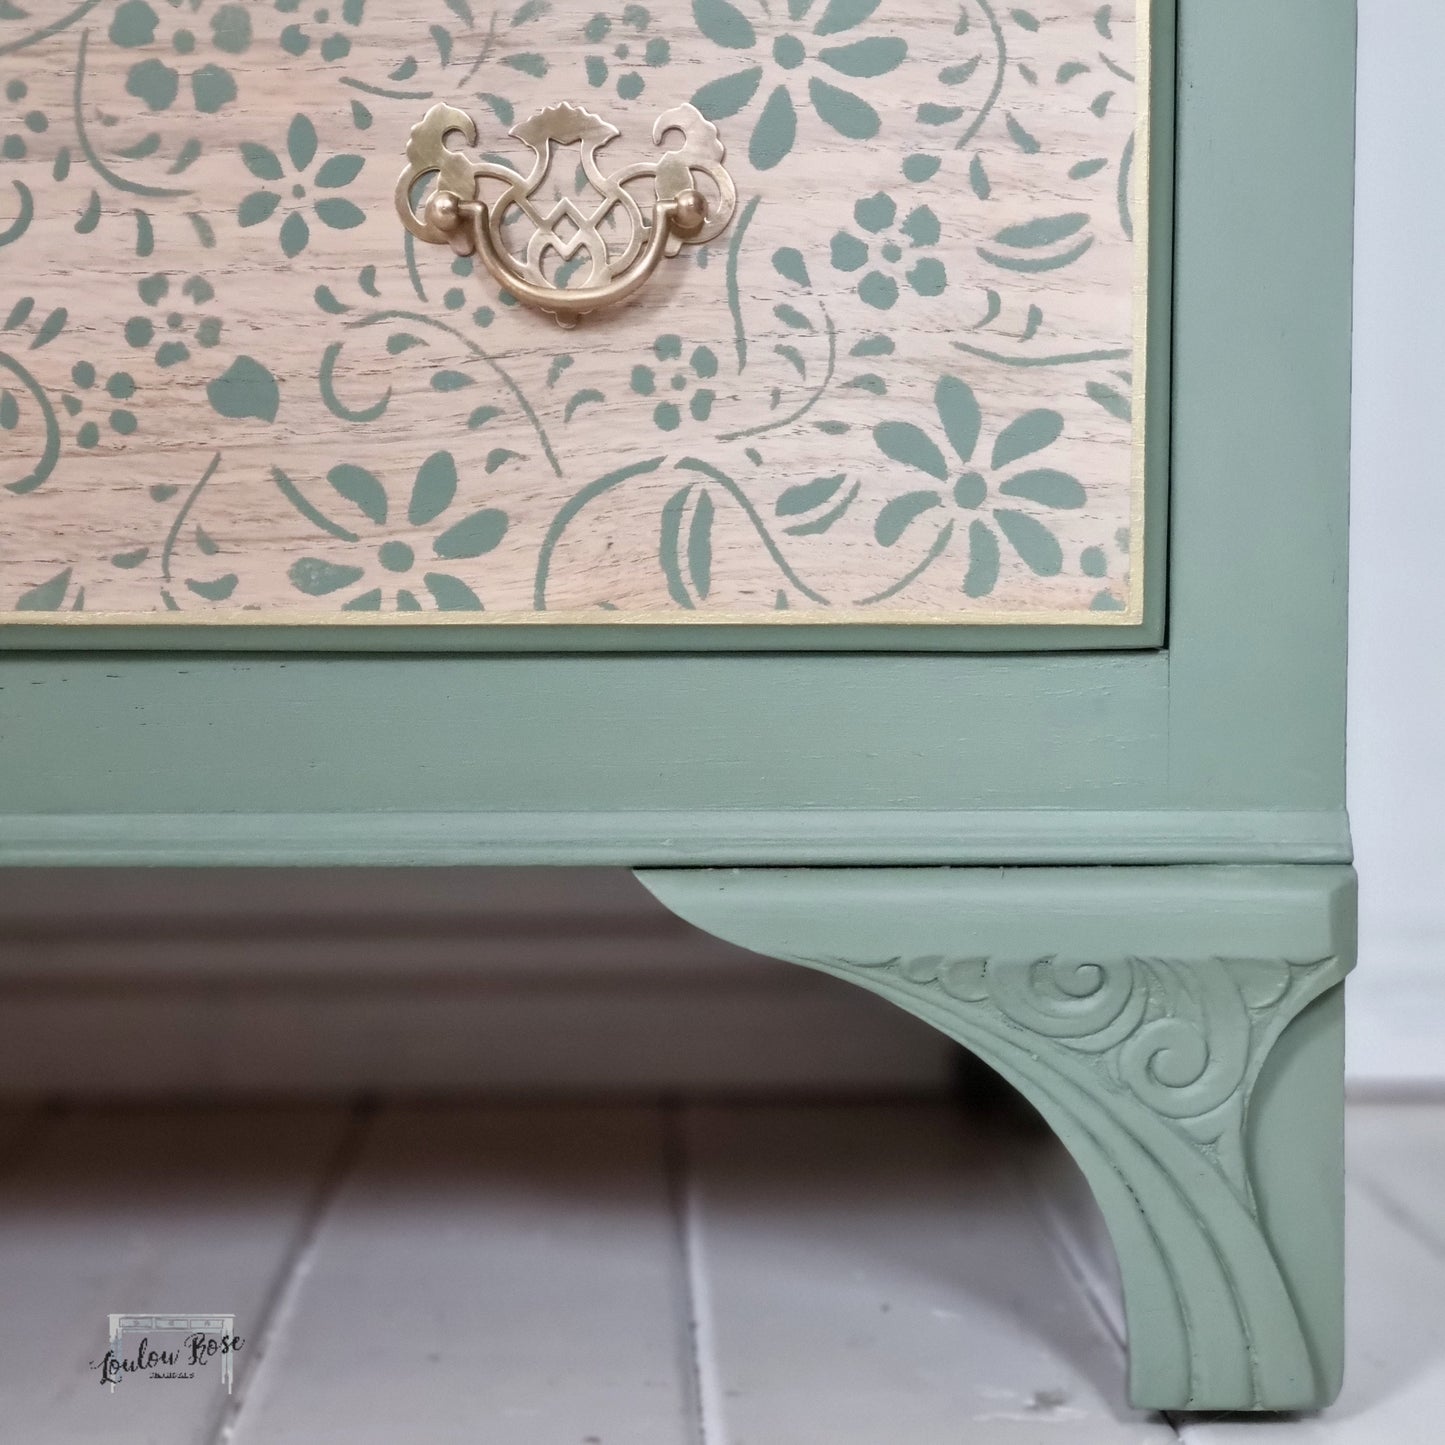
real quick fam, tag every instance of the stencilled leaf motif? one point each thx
(318, 578)
(261, 161)
(498, 457)
(685, 545)
(1035, 246)
(1031, 433)
(47, 596)
(1033, 541)
(339, 214)
(1027, 143)
(723, 98)
(295, 234)
(808, 496)
(588, 396)
(900, 514)
(473, 536)
(983, 561)
(1047, 487)
(361, 488)
(789, 263)
(846, 113)
(841, 15)
(911, 445)
(959, 412)
(821, 502)
(339, 171)
(52, 326)
(724, 24)
(865, 59)
(1045, 231)
(1114, 401)
(699, 545)
(301, 142)
(776, 130)
(435, 489)
(218, 589)
(451, 594)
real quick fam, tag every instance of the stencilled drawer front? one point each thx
(899, 377)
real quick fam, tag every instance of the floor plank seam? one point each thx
(694, 1303)
(1068, 1252)
(285, 1291)
(1399, 1213)
(1073, 1258)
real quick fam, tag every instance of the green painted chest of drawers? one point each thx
(878, 469)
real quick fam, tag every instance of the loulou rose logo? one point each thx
(172, 1359)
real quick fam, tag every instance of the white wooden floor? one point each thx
(546, 1275)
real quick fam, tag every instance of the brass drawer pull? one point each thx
(457, 214)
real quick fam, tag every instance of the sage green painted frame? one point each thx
(77, 633)
(1225, 745)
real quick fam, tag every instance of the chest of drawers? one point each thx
(876, 468)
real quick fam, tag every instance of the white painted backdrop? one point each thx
(126, 983)
(1397, 693)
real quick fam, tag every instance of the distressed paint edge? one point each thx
(696, 838)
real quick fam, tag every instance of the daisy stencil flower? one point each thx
(794, 61)
(331, 175)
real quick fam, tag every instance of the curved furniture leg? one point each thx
(1180, 1029)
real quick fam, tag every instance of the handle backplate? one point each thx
(693, 202)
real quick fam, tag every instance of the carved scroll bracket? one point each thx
(1136, 1008)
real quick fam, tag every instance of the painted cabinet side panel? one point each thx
(1262, 360)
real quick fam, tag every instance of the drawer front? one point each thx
(905, 389)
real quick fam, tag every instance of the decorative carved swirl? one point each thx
(1146, 1066)
(1178, 1035)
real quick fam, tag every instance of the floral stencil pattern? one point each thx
(902, 386)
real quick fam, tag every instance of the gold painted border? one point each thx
(831, 617)
(1133, 616)
(1142, 209)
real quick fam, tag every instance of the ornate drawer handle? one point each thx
(456, 213)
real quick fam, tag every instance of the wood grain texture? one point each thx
(904, 386)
